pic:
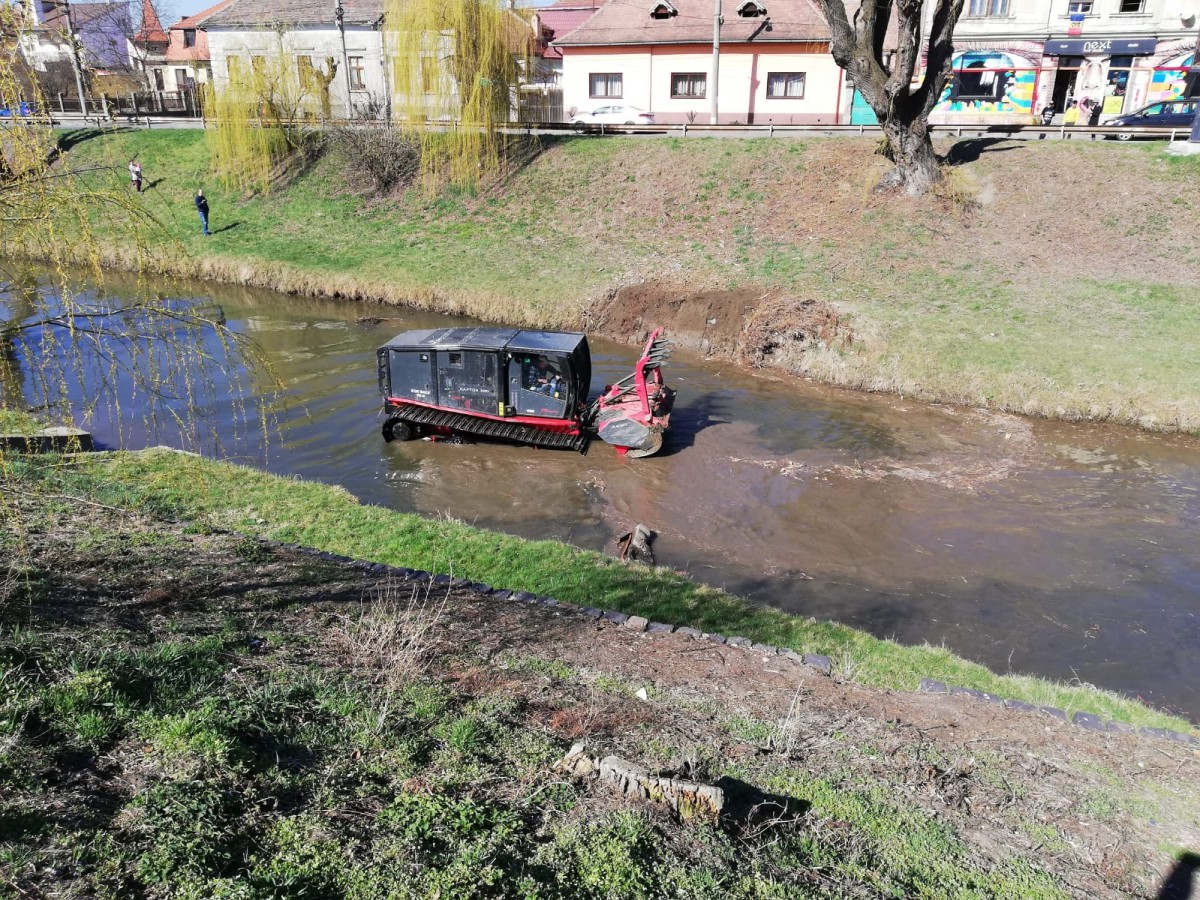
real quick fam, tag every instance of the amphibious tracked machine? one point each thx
(525, 386)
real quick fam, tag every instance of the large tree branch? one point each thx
(941, 52)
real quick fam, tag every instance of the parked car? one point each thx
(1167, 114)
(23, 109)
(613, 115)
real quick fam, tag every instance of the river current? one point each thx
(1030, 546)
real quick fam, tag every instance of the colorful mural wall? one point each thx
(1169, 81)
(989, 83)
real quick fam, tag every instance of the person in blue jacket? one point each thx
(202, 208)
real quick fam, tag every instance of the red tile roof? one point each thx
(561, 18)
(151, 31)
(195, 20)
(176, 51)
(624, 22)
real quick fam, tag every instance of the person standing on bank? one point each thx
(135, 174)
(202, 208)
(1071, 116)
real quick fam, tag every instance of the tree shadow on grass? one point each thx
(69, 140)
(970, 151)
(747, 806)
(1180, 883)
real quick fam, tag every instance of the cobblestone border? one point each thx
(815, 661)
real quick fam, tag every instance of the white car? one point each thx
(613, 115)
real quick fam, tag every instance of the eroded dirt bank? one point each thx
(750, 326)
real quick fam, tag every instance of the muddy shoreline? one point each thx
(751, 327)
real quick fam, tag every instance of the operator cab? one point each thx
(489, 372)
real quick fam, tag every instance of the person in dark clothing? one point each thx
(1094, 115)
(202, 208)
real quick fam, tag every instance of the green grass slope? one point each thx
(1050, 278)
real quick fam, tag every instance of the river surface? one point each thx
(1035, 547)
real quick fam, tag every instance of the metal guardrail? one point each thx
(1016, 132)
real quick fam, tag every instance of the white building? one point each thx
(246, 32)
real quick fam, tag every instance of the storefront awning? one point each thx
(1100, 47)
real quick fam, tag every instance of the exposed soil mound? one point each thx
(747, 326)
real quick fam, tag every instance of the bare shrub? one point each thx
(394, 631)
(382, 158)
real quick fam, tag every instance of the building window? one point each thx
(751, 9)
(1118, 75)
(1080, 7)
(258, 64)
(975, 81)
(688, 85)
(428, 74)
(605, 84)
(1131, 6)
(663, 10)
(233, 65)
(358, 74)
(304, 70)
(158, 80)
(182, 82)
(786, 84)
(189, 37)
(994, 8)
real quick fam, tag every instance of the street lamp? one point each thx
(716, 65)
(339, 14)
(76, 62)
(1195, 136)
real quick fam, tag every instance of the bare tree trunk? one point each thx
(884, 64)
(916, 167)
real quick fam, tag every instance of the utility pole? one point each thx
(1195, 73)
(76, 62)
(339, 13)
(716, 66)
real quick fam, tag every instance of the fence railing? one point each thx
(182, 107)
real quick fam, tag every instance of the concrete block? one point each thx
(822, 664)
(1088, 721)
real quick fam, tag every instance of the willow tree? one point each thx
(255, 117)
(67, 341)
(887, 77)
(458, 66)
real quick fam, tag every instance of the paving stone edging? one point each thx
(815, 661)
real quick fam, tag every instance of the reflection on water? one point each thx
(1062, 550)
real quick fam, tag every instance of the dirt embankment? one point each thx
(748, 327)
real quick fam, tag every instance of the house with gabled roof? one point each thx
(541, 95)
(102, 30)
(186, 62)
(657, 55)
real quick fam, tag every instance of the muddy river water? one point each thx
(1030, 546)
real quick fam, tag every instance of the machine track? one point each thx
(508, 431)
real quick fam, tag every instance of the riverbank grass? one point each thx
(239, 730)
(220, 495)
(1081, 309)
